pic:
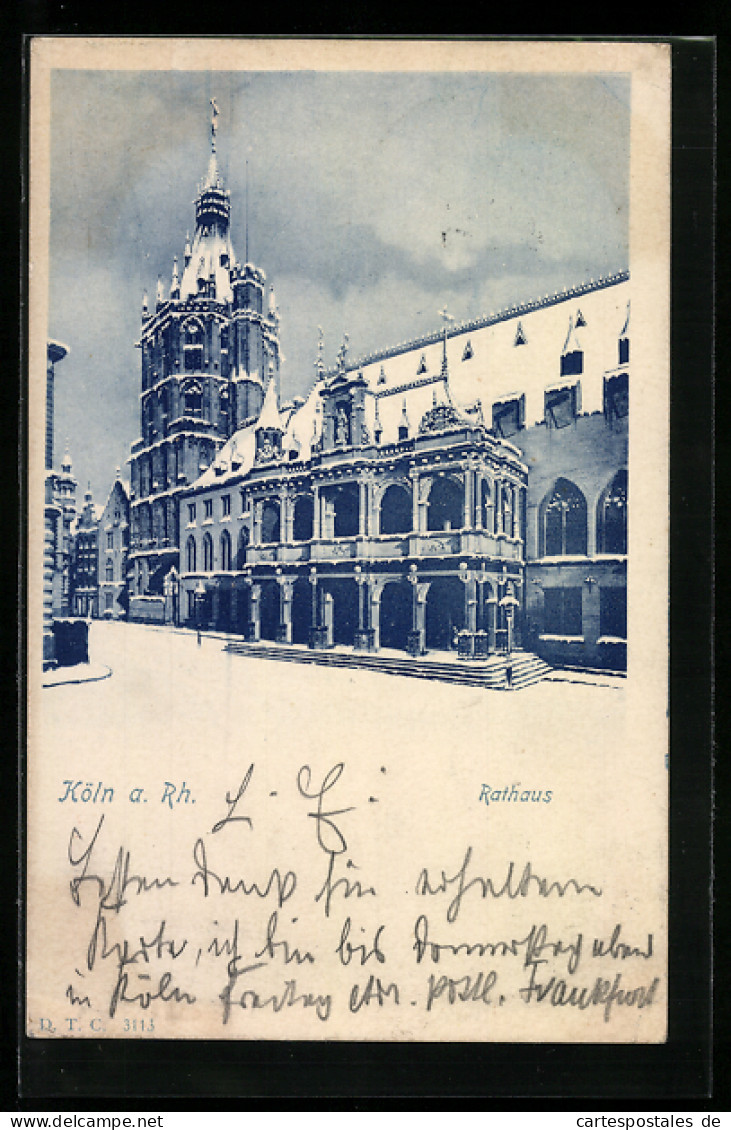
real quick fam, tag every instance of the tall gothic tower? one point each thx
(208, 349)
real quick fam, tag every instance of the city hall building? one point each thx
(466, 490)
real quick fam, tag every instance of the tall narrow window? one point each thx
(208, 554)
(563, 521)
(193, 347)
(190, 554)
(224, 404)
(226, 551)
(193, 399)
(612, 516)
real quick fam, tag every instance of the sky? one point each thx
(374, 200)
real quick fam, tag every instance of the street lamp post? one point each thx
(200, 594)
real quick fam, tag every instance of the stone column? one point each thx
(256, 524)
(327, 618)
(421, 590)
(316, 512)
(328, 523)
(468, 520)
(425, 483)
(471, 605)
(362, 508)
(491, 609)
(478, 500)
(284, 631)
(286, 509)
(255, 622)
(371, 495)
(376, 588)
(363, 636)
(215, 602)
(591, 530)
(415, 481)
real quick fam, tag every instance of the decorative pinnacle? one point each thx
(446, 318)
(319, 363)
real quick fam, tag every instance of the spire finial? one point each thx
(214, 124)
(246, 215)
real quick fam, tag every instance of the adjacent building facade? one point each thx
(113, 553)
(85, 561)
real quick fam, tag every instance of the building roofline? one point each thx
(505, 315)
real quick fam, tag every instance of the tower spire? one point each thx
(246, 215)
(210, 252)
(214, 124)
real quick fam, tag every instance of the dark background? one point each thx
(85, 1075)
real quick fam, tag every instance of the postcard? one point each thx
(347, 655)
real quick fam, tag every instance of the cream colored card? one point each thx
(223, 845)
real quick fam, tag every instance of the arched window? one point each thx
(190, 554)
(611, 518)
(226, 552)
(563, 521)
(396, 510)
(446, 506)
(269, 522)
(193, 399)
(207, 554)
(303, 517)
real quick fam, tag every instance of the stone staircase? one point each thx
(524, 668)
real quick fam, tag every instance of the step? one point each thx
(527, 668)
